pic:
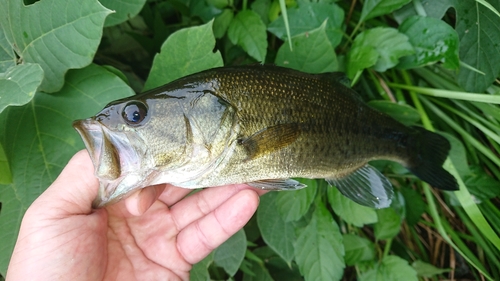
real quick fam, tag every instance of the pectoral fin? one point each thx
(270, 139)
(278, 184)
(366, 186)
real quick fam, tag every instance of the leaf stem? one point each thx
(450, 94)
(387, 248)
(417, 4)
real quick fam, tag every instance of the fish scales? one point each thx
(329, 122)
(260, 125)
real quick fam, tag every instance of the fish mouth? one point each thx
(113, 157)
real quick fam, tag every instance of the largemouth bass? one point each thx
(261, 125)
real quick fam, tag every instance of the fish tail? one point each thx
(429, 151)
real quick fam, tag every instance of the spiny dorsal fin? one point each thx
(339, 77)
(366, 186)
(270, 139)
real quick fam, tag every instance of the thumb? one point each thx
(74, 189)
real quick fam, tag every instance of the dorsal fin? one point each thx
(339, 77)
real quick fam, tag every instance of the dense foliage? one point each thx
(432, 63)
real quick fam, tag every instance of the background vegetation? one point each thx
(425, 62)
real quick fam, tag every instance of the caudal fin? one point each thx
(426, 163)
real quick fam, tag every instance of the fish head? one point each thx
(137, 142)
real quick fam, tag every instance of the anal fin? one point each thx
(366, 186)
(278, 184)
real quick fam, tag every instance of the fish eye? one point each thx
(134, 113)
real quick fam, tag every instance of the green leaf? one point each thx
(482, 185)
(248, 31)
(202, 10)
(312, 52)
(185, 52)
(479, 31)
(414, 204)
(310, 16)
(458, 155)
(358, 249)
(65, 37)
(199, 271)
(7, 56)
(44, 140)
(359, 58)
(432, 8)
(5, 174)
(278, 234)
(387, 42)
(221, 23)
(230, 254)
(392, 268)
(319, 250)
(18, 85)
(260, 272)
(124, 10)
(433, 40)
(261, 7)
(375, 8)
(401, 112)
(388, 225)
(294, 205)
(350, 211)
(426, 270)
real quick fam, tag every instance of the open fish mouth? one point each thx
(116, 162)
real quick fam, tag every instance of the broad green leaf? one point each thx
(479, 31)
(375, 8)
(203, 10)
(278, 234)
(359, 58)
(65, 37)
(221, 23)
(458, 155)
(18, 85)
(433, 40)
(357, 249)
(219, 4)
(387, 42)
(392, 268)
(312, 52)
(388, 225)
(248, 31)
(319, 251)
(261, 7)
(185, 52)
(5, 174)
(7, 56)
(230, 254)
(482, 185)
(199, 272)
(310, 16)
(124, 10)
(401, 112)
(260, 273)
(350, 211)
(414, 204)
(294, 205)
(39, 135)
(426, 270)
(432, 8)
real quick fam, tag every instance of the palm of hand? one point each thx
(156, 234)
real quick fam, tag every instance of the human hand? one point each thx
(156, 234)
